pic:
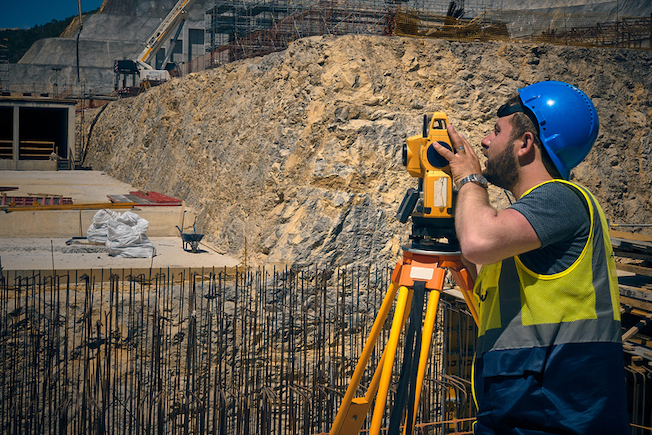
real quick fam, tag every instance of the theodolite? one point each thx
(431, 205)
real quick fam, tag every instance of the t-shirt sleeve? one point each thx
(555, 212)
(561, 220)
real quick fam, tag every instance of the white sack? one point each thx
(97, 232)
(123, 234)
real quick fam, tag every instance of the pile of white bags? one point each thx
(122, 233)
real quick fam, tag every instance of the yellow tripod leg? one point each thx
(360, 406)
(400, 317)
(426, 340)
(351, 415)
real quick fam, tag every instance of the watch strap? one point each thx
(473, 178)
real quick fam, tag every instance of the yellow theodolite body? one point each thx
(422, 161)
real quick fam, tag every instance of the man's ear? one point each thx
(526, 144)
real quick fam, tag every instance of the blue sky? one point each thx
(26, 14)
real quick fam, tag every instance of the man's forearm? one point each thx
(486, 235)
(472, 212)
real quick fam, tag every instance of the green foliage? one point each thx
(15, 42)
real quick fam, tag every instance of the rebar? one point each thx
(221, 352)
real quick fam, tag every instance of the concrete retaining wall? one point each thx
(75, 223)
(28, 165)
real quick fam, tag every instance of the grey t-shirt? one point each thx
(560, 218)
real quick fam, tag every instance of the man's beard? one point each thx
(503, 170)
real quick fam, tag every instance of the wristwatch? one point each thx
(473, 178)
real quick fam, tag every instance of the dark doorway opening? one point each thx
(43, 131)
(6, 132)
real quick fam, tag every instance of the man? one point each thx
(549, 356)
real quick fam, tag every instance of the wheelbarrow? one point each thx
(191, 239)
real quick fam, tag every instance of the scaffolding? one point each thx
(230, 20)
(239, 30)
(242, 29)
(625, 33)
(422, 24)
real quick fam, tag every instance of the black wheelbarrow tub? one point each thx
(191, 239)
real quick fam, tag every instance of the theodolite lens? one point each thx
(434, 158)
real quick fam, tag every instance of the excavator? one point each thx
(142, 73)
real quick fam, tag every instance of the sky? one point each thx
(25, 14)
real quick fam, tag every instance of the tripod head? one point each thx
(431, 205)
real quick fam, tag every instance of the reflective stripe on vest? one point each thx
(519, 308)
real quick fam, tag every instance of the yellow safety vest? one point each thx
(519, 308)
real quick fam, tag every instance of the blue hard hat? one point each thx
(566, 119)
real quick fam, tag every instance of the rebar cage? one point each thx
(216, 351)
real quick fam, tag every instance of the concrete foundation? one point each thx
(27, 165)
(85, 188)
(36, 240)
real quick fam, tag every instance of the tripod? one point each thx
(421, 268)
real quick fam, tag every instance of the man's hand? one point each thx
(485, 234)
(464, 161)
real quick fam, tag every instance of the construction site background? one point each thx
(236, 30)
(83, 354)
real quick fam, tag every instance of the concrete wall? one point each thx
(526, 18)
(50, 65)
(27, 165)
(75, 223)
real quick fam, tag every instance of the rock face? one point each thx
(296, 157)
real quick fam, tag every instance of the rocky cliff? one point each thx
(296, 157)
